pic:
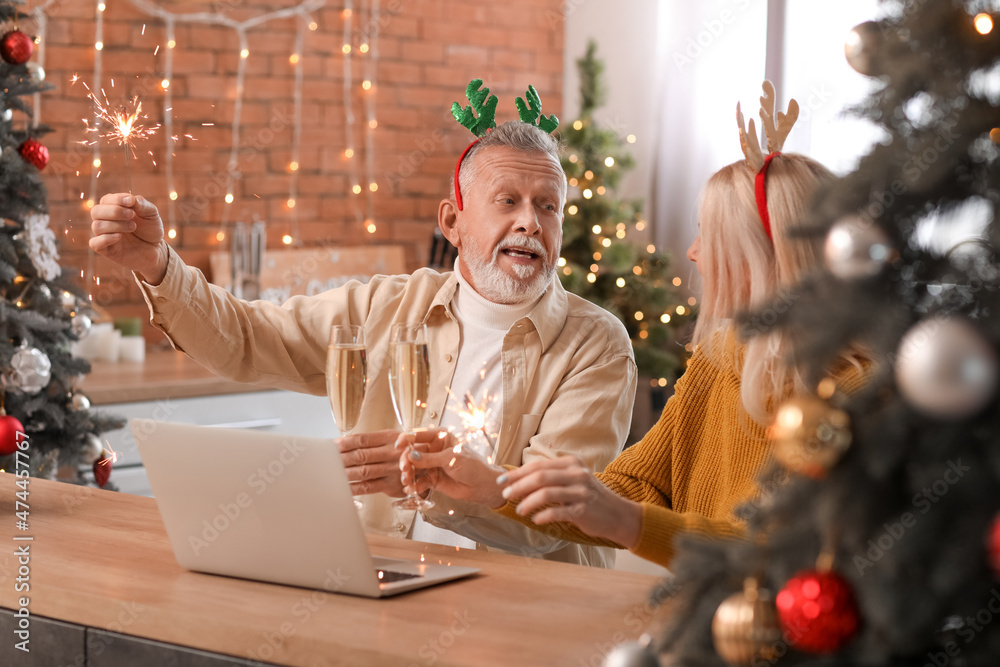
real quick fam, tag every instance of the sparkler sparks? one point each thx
(117, 123)
(122, 126)
(475, 421)
(109, 456)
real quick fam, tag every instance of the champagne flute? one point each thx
(346, 377)
(409, 383)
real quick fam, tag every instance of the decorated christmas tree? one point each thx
(45, 423)
(606, 262)
(876, 540)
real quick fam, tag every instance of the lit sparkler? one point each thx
(117, 123)
(475, 420)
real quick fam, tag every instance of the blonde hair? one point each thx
(744, 270)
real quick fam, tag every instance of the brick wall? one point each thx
(428, 51)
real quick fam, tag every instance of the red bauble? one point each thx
(993, 546)
(9, 428)
(102, 469)
(16, 47)
(817, 611)
(34, 153)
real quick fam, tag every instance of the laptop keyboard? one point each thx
(389, 576)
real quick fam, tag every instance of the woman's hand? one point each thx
(447, 468)
(569, 492)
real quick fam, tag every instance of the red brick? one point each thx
(197, 62)
(321, 91)
(58, 31)
(504, 59)
(399, 72)
(210, 86)
(321, 184)
(81, 55)
(403, 26)
(412, 50)
(117, 36)
(392, 48)
(222, 39)
(276, 37)
(81, 33)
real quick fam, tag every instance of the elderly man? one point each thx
(500, 324)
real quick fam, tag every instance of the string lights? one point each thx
(293, 165)
(367, 86)
(349, 153)
(168, 126)
(42, 21)
(302, 13)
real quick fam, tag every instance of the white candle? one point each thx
(132, 348)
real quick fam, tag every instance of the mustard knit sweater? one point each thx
(694, 467)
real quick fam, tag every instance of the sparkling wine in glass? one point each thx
(346, 376)
(409, 384)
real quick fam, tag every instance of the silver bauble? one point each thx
(857, 249)
(80, 324)
(36, 72)
(7, 114)
(862, 47)
(631, 654)
(30, 370)
(80, 402)
(946, 368)
(92, 449)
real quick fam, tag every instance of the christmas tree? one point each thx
(602, 263)
(45, 423)
(876, 540)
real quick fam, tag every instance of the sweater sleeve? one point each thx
(643, 474)
(661, 525)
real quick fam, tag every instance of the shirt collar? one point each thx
(548, 317)
(549, 314)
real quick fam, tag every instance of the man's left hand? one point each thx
(372, 463)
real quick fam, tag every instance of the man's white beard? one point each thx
(495, 284)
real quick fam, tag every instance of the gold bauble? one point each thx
(863, 46)
(810, 435)
(745, 629)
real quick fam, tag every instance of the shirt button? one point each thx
(434, 414)
(447, 358)
(398, 527)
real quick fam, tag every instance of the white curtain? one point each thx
(710, 54)
(675, 70)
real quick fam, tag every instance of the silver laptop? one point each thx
(268, 507)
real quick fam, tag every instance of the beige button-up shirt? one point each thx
(568, 376)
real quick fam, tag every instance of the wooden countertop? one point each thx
(165, 374)
(98, 554)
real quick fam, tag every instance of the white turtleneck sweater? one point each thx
(478, 370)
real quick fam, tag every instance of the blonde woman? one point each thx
(701, 459)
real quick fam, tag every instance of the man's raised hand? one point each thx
(127, 230)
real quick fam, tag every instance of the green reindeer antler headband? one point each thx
(480, 118)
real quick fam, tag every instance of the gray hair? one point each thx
(512, 134)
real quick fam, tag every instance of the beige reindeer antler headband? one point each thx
(776, 125)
